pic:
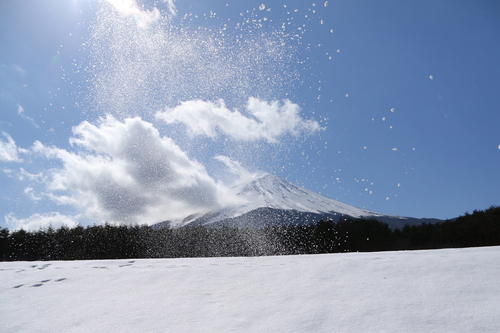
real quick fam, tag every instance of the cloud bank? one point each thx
(126, 172)
(264, 120)
(41, 221)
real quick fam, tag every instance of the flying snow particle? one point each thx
(326, 3)
(346, 95)
(395, 149)
(262, 7)
(383, 118)
(393, 109)
(322, 21)
(331, 30)
(387, 198)
(399, 184)
(431, 77)
(338, 50)
(498, 147)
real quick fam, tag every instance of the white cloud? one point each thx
(171, 6)
(142, 17)
(37, 221)
(20, 112)
(242, 174)
(9, 152)
(265, 121)
(25, 175)
(126, 172)
(38, 177)
(29, 191)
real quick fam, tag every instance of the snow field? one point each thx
(449, 290)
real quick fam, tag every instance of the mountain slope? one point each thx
(271, 200)
(274, 192)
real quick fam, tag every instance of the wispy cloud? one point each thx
(9, 152)
(171, 6)
(30, 192)
(265, 120)
(18, 69)
(22, 175)
(20, 112)
(242, 174)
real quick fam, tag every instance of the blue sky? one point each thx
(127, 111)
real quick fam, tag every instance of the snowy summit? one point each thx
(274, 192)
(271, 200)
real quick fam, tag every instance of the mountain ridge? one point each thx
(272, 200)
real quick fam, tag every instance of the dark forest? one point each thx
(480, 228)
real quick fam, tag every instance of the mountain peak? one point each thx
(272, 200)
(271, 191)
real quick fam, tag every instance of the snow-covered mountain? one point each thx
(271, 200)
(271, 191)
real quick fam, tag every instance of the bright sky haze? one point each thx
(138, 111)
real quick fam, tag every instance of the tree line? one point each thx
(481, 228)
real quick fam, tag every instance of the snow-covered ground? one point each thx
(450, 290)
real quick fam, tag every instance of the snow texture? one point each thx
(449, 290)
